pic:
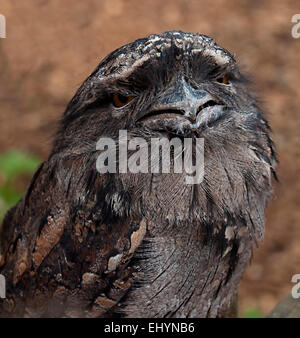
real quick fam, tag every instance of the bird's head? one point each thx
(174, 83)
(183, 85)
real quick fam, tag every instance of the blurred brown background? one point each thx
(52, 46)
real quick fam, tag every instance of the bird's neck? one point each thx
(181, 276)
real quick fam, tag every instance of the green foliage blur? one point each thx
(16, 168)
(252, 313)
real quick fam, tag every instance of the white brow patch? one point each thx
(220, 57)
(125, 64)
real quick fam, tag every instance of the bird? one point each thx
(82, 243)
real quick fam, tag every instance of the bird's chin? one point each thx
(182, 125)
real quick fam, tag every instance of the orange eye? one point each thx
(121, 100)
(223, 79)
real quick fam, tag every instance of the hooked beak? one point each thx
(180, 100)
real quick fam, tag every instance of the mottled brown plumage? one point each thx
(82, 244)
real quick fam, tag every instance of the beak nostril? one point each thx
(209, 103)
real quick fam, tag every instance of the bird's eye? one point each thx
(121, 100)
(224, 79)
